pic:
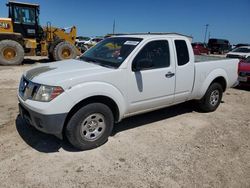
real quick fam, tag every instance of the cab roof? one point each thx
(152, 35)
(22, 4)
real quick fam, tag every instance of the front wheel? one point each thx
(212, 98)
(90, 126)
(11, 52)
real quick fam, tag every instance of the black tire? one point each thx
(51, 49)
(11, 52)
(64, 50)
(90, 126)
(211, 99)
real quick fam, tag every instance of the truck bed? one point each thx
(202, 58)
(210, 68)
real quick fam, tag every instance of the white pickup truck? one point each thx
(120, 77)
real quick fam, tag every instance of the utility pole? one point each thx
(114, 27)
(206, 33)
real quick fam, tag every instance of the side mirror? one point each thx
(142, 64)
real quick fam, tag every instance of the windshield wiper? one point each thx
(105, 65)
(94, 61)
(88, 59)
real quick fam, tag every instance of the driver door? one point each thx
(152, 83)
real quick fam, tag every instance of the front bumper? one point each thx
(47, 123)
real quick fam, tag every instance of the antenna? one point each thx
(114, 27)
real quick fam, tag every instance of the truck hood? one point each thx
(65, 73)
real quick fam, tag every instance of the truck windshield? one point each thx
(111, 52)
(242, 50)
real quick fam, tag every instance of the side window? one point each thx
(155, 52)
(24, 15)
(182, 52)
(17, 15)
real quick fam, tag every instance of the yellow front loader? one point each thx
(21, 35)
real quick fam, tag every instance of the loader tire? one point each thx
(51, 49)
(64, 50)
(11, 52)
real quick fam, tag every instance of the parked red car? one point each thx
(200, 48)
(244, 71)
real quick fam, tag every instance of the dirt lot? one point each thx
(173, 147)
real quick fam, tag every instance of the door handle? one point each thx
(169, 74)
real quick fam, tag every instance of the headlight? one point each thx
(47, 93)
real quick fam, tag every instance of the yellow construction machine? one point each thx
(21, 35)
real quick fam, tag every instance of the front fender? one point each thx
(90, 89)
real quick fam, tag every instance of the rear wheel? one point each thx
(64, 50)
(212, 98)
(90, 126)
(11, 52)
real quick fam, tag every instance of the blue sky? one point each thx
(229, 19)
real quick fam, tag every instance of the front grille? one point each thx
(27, 89)
(244, 73)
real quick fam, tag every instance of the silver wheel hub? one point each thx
(214, 97)
(92, 127)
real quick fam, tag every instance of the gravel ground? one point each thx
(173, 147)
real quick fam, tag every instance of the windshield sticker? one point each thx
(134, 43)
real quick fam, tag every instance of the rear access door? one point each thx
(185, 72)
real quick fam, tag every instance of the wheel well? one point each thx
(221, 80)
(12, 36)
(95, 99)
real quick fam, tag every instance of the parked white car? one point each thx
(82, 39)
(93, 41)
(84, 43)
(240, 52)
(82, 46)
(120, 77)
